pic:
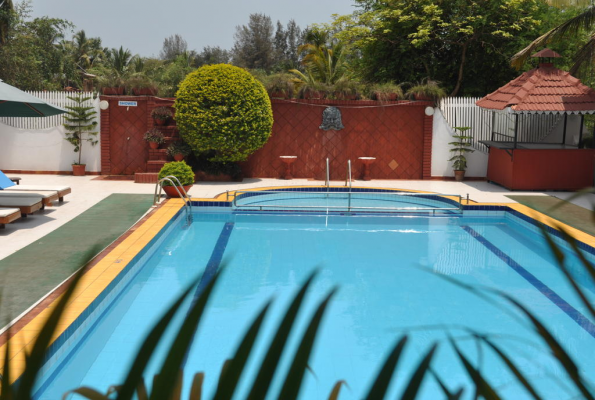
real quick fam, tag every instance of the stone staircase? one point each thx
(158, 157)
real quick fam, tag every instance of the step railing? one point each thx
(179, 188)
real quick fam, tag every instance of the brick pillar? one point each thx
(427, 154)
(105, 138)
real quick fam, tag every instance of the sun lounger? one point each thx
(62, 190)
(28, 203)
(7, 215)
(7, 184)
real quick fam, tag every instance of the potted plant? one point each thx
(279, 86)
(387, 91)
(178, 150)
(426, 90)
(111, 83)
(459, 149)
(345, 89)
(154, 137)
(80, 127)
(161, 115)
(141, 85)
(180, 170)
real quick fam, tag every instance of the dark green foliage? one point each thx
(221, 110)
(180, 170)
(460, 148)
(466, 45)
(178, 147)
(80, 124)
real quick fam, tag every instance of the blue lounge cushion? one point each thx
(5, 182)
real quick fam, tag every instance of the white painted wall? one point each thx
(43, 150)
(477, 162)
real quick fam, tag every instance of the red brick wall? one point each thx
(398, 134)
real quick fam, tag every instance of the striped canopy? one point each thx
(16, 103)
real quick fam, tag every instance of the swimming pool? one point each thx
(388, 271)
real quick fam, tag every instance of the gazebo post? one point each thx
(564, 130)
(580, 133)
(516, 129)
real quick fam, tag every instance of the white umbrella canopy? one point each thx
(16, 103)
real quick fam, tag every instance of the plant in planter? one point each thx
(345, 89)
(428, 90)
(111, 83)
(280, 86)
(154, 137)
(178, 150)
(180, 170)
(161, 115)
(80, 127)
(387, 91)
(141, 85)
(461, 147)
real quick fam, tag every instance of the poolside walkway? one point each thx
(88, 191)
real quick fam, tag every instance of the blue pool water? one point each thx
(388, 270)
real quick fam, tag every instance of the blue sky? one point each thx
(141, 25)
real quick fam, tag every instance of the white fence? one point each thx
(59, 99)
(39, 144)
(488, 125)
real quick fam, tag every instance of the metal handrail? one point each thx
(348, 179)
(349, 207)
(328, 175)
(183, 194)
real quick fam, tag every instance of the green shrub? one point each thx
(224, 110)
(180, 170)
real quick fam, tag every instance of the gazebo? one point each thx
(537, 129)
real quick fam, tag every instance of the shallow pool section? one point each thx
(390, 271)
(346, 199)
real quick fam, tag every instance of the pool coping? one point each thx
(105, 268)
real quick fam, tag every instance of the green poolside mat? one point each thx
(571, 214)
(33, 271)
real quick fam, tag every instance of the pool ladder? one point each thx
(181, 192)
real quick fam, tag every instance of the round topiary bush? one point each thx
(223, 111)
(180, 170)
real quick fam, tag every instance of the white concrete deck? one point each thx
(86, 192)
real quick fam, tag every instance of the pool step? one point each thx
(145, 177)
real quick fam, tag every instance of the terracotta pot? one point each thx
(459, 175)
(160, 122)
(173, 193)
(144, 92)
(277, 95)
(313, 95)
(117, 91)
(154, 145)
(422, 97)
(178, 157)
(78, 169)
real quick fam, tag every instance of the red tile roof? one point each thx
(543, 89)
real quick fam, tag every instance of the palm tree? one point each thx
(120, 59)
(323, 59)
(584, 22)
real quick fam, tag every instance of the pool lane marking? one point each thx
(215, 260)
(562, 304)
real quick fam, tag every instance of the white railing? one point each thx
(59, 99)
(488, 125)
